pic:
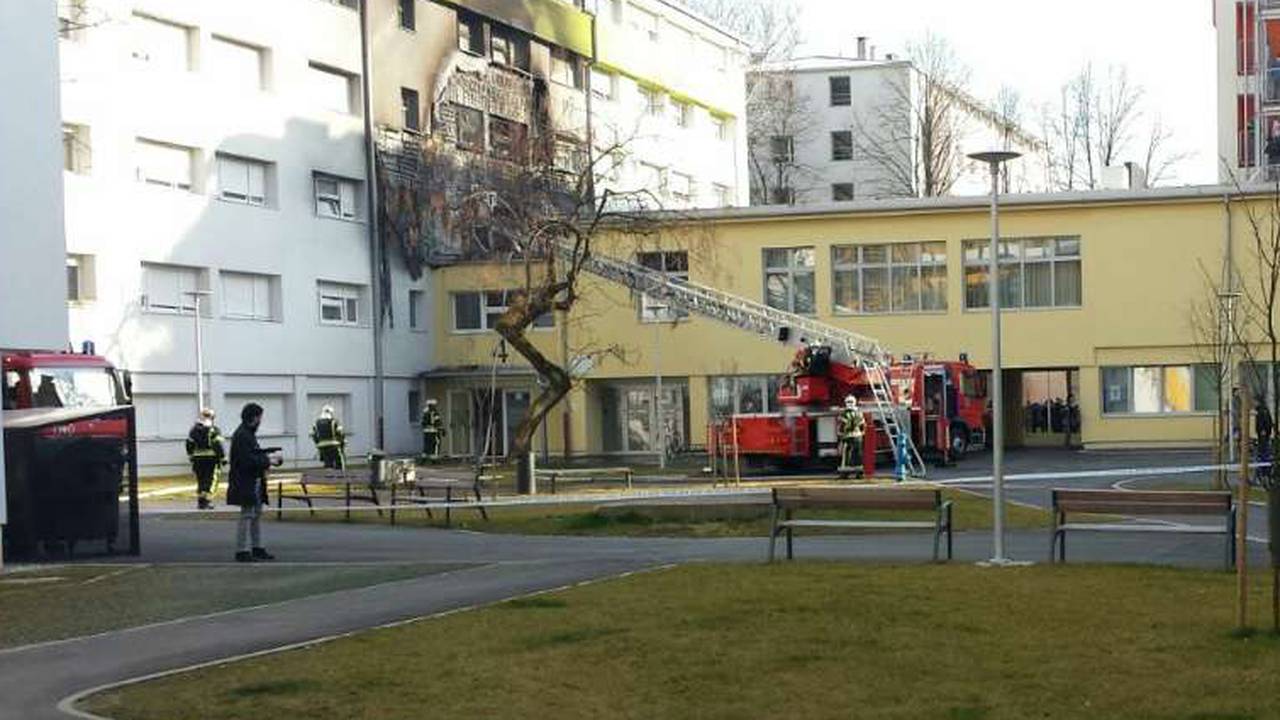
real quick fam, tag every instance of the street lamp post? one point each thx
(197, 296)
(995, 159)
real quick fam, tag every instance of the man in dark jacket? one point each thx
(247, 484)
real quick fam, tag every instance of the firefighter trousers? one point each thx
(431, 444)
(204, 469)
(851, 453)
(331, 456)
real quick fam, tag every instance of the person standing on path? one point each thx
(432, 431)
(205, 451)
(850, 427)
(247, 483)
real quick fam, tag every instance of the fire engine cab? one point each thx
(36, 379)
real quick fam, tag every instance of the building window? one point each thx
(242, 180)
(653, 179)
(841, 192)
(566, 68)
(674, 265)
(164, 415)
(250, 296)
(840, 92)
(680, 187)
(164, 164)
(743, 395)
(331, 89)
(417, 309)
(1159, 390)
(1034, 272)
(235, 65)
(788, 279)
(508, 47)
(405, 12)
(603, 84)
(339, 303)
(168, 288)
(477, 311)
(409, 108)
(76, 151)
(81, 279)
(161, 45)
(724, 127)
(782, 148)
(470, 33)
(335, 197)
(568, 156)
(415, 407)
(470, 128)
(653, 102)
(507, 139)
(842, 145)
(684, 113)
(723, 195)
(900, 278)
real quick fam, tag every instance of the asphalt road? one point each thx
(34, 679)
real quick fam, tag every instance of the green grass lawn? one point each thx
(62, 602)
(802, 640)
(970, 512)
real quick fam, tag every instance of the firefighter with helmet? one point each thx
(432, 431)
(850, 428)
(330, 439)
(205, 451)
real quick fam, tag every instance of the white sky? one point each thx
(1036, 45)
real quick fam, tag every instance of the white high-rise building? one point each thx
(219, 148)
(1248, 60)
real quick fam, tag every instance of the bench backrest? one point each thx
(329, 476)
(867, 498)
(1145, 502)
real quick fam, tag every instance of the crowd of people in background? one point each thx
(1054, 416)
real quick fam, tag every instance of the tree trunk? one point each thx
(557, 386)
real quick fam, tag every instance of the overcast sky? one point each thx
(1036, 45)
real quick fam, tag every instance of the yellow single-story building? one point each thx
(1110, 324)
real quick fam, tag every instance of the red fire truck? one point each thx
(945, 401)
(39, 379)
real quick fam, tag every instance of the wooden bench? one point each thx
(417, 491)
(328, 484)
(1140, 503)
(583, 475)
(790, 499)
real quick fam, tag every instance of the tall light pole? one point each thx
(995, 159)
(196, 297)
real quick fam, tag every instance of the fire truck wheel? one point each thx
(959, 441)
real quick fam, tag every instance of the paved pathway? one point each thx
(35, 678)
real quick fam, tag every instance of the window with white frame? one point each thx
(743, 394)
(76, 150)
(340, 303)
(242, 180)
(897, 278)
(723, 127)
(1159, 389)
(235, 65)
(164, 415)
(603, 84)
(675, 266)
(1034, 272)
(683, 113)
(509, 47)
(250, 296)
(477, 311)
(723, 195)
(336, 197)
(276, 415)
(417, 310)
(654, 101)
(568, 156)
(410, 117)
(81, 278)
(470, 33)
(681, 189)
(788, 279)
(331, 89)
(164, 164)
(160, 44)
(169, 288)
(566, 68)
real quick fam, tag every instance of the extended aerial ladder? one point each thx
(846, 346)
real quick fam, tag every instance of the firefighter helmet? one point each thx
(206, 414)
(431, 402)
(850, 402)
(326, 412)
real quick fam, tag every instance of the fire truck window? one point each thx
(11, 390)
(74, 387)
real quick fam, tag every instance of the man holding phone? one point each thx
(247, 483)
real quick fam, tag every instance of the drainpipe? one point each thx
(375, 245)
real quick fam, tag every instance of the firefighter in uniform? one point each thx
(432, 431)
(205, 451)
(330, 440)
(849, 430)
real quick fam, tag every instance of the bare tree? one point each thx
(1159, 161)
(1260, 289)
(912, 137)
(1008, 114)
(780, 119)
(771, 28)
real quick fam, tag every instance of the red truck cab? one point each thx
(35, 379)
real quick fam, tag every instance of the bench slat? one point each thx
(1140, 508)
(857, 524)
(1146, 527)
(1207, 497)
(857, 497)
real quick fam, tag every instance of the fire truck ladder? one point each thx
(778, 325)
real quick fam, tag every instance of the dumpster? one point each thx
(66, 469)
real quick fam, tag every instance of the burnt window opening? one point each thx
(470, 128)
(508, 140)
(470, 33)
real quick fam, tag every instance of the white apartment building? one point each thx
(822, 133)
(219, 147)
(1248, 60)
(668, 104)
